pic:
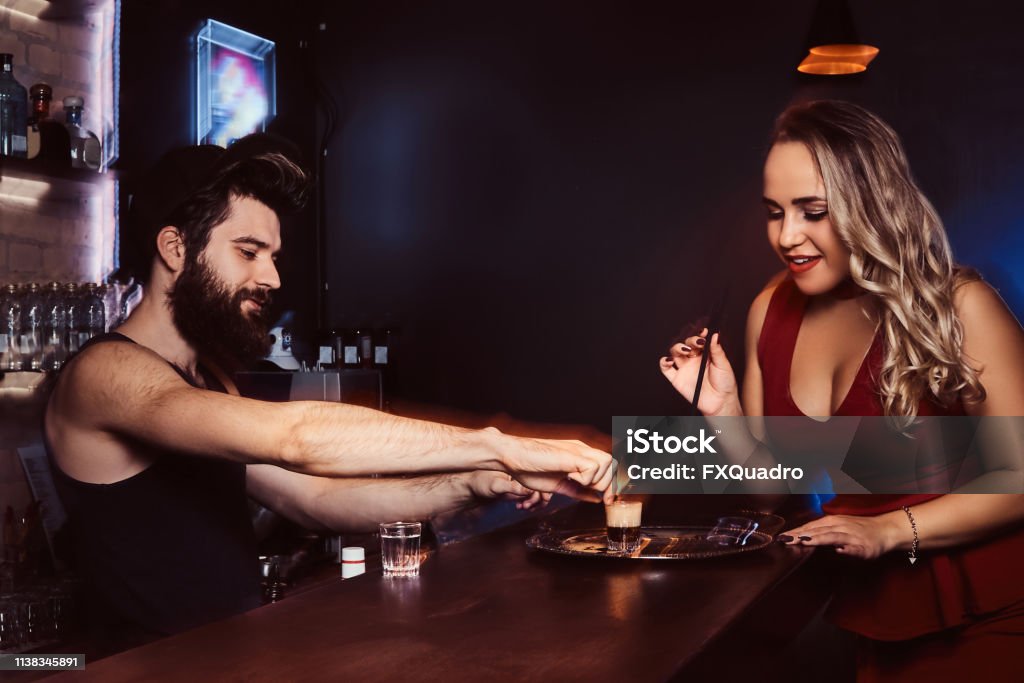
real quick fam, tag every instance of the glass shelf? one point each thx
(45, 179)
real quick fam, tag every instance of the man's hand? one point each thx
(490, 484)
(556, 466)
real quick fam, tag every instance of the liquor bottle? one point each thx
(325, 349)
(381, 347)
(93, 316)
(85, 146)
(350, 348)
(10, 329)
(336, 340)
(110, 306)
(13, 111)
(31, 345)
(72, 316)
(54, 328)
(47, 139)
(365, 336)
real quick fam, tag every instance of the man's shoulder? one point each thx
(113, 355)
(110, 366)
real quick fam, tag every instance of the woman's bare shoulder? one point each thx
(992, 334)
(993, 343)
(759, 307)
(978, 305)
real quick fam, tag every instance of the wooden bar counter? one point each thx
(490, 609)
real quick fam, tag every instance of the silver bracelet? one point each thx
(912, 555)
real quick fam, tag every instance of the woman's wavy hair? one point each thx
(898, 251)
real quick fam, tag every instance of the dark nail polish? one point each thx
(783, 538)
(805, 538)
(687, 348)
(700, 341)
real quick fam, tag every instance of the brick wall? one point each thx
(56, 230)
(62, 53)
(70, 237)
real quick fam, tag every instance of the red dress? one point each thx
(955, 613)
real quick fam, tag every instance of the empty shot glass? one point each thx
(400, 548)
(732, 531)
(623, 521)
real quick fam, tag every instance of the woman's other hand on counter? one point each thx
(866, 538)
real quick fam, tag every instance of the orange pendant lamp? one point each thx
(834, 48)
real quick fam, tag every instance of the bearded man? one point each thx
(155, 455)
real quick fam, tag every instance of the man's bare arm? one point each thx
(356, 504)
(129, 391)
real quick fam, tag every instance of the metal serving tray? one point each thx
(656, 543)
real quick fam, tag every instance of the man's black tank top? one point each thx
(165, 550)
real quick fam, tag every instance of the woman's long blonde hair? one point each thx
(899, 251)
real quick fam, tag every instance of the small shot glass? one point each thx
(400, 548)
(622, 519)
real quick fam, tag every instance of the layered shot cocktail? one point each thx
(623, 520)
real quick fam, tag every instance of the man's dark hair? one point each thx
(272, 179)
(191, 188)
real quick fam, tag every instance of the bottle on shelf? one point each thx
(54, 328)
(10, 329)
(93, 316)
(365, 336)
(73, 316)
(350, 348)
(110, 306)
(13, 111)
(85, 146)
(47, 139)
(336, 339)
(381, 347)
(31, 343)
(327, 356)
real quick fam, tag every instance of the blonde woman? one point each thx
(873, 317)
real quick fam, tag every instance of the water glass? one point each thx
(400, 548)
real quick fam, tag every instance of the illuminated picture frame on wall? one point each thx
(235, 83)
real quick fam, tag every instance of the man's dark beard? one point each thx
(211, 318)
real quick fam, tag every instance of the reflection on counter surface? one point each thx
(639, 620)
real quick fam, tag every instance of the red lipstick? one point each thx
(801, 264)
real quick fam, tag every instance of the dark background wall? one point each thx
(157, 100)
(541, 196)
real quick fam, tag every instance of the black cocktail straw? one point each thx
(714, 325)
